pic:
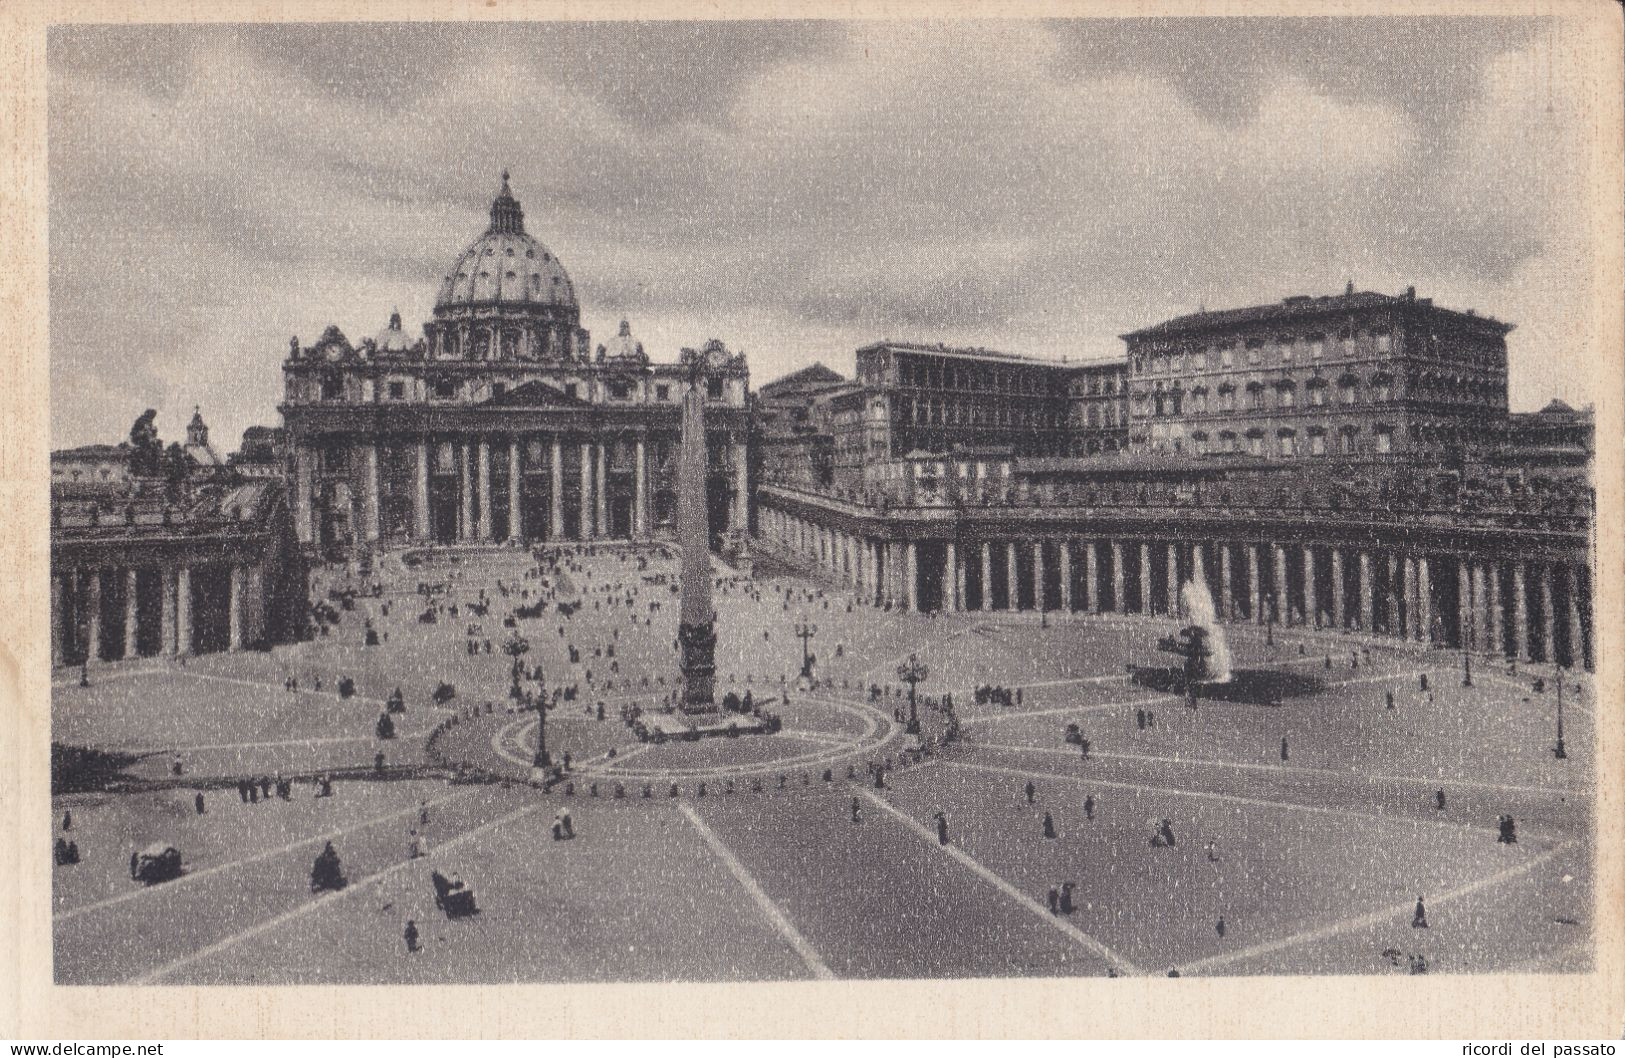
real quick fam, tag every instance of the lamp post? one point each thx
(516, 648)
(1558, 750)
(805, 631)
(912, 672)
(1467, 652)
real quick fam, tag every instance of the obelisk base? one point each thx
(698, 644)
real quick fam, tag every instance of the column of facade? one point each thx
(1577, 646)
(1392, 582)
(369, 495)
(987, 575)
(1424, 599)
(516, 477)
(1038, 576)
(1118, 579)
(1520, 612)
(1548, 618)
(482, 525)
(132, 615)
(950, 578)
(1339, 602)
(465, 483)
(961, 576)
(555, 484)
(234, 607)
(602, 487)
(420, 496)
(1091, 591)
(1408, 579)
(1311, 598)
(1480, 610)
(1465, 625)
(911, 572)
(1227, 610)
(1065, 573)
(1145, 579)
(741, 508)
(304, 471)
(586, 491)
(640, 527)
(1012, 579)
(1255, 584)
(1283, 602)
(1368, 605)
(183, 610)
(1199, 566)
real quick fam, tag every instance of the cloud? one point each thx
(797, 189)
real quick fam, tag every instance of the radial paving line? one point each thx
(1060, 709)
(786, 928)
(1259, 802)
(171, 886)
(1028, 903)
(1375, 918)
(1289, 769)
(322, 901)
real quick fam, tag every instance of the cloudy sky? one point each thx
(795, 189)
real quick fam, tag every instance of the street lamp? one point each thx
(1558, 751)
(912, 672)
(805, 631)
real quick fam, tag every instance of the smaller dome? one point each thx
(393, 339)
(624, 347)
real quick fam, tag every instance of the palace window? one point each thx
(572, 390)
(397, 391)
(1317, 392)
(1385, 342)
(619, 389)
(1199, 443)
(662, 392)
(1289, 444)
(1159, 364)
(713, 388)
(1385, 440)
(1227, 357)
(1288, 395)
(1346, 440)
(1286, 350)
(1383, 387)
(1317, 346)
(1255, 444)
(1227, 397)
(1317, 442)
(445, 388)
(498, 389)
(1255, 396)
(1252, 352)
(332, 388)
(1346, 390)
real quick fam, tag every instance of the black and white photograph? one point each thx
(812, 499)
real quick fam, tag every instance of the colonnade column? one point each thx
(1464, 598)
(950, 578)
(1038, 576)
(555, 528)
(183, 610)
(1117, 578)
(1173, 579)
(235, 608)
(1065, 559)
(93, 616)
(987, 575)
(911, 573)
(1548, 619)
(1408, 628)
(168, 619)
(1145, 579)
(1283, 602)
(1520, 612)
(420, 508)
(1226, 604)
(1012, 579)
(59, 617)
(586, 491)
(1497, 614)
(1339, 610)
(961, 575)
(369, 495)
(1368, 608)
(131, 615)
(516, 519)
(640, 527)
(1311, 598)
(1481, 630)
(1424, 599)
(1255, 586)
(1577, 646)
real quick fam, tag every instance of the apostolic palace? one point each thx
(1345, 461)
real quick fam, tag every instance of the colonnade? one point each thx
(85, 627)
(1531, 609)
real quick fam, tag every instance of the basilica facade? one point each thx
(501, 422)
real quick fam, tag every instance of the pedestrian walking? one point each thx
(1089, 807)
(942, 829)
(411, 935)
(1219, 926)
(1066, 898)
(1283, 749)
(1049, 825)
(1420, 919)
(1031, 790)
(197, 802)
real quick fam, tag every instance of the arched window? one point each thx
(1287, 394)
(1255, 396)
(1316, 388)
(1348, 388)
(1288, 443)
(1346, 440)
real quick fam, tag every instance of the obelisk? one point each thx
(695, 633)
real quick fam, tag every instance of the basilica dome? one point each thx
(506, 266)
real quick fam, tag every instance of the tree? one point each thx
(146, 450)
(177, 464)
